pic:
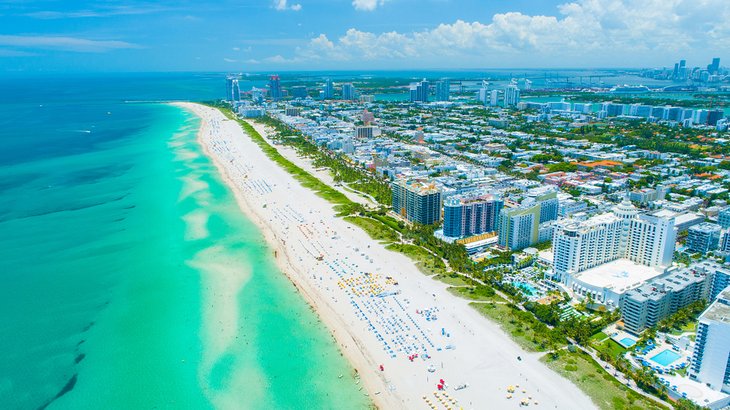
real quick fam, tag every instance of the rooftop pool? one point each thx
(666, 357)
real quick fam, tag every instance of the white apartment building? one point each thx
(711, 357)
(609, 254)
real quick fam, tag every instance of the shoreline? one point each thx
(282, 258)
(401, 384)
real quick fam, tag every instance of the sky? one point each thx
(291, 35)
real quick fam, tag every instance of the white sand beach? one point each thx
(414, 328)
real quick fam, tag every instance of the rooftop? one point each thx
(619, 275)
(719, 310)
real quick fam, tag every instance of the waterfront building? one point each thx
(468, 215)
(612, 109)
(579, 246)
(417, 201)
(608, 254)
(710, 362)
(233, 91)
(519, 227)
(720, 275)
(646, 305)
(703, 238)
(275, 91)
(494, 98)
(443, 89)
(348, 91)
(419, 91)
(651, 240)
(511, 95)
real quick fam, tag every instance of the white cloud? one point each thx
(229, 60)
(583, 32)
(282, 5)
(367, 5)
(63, 43)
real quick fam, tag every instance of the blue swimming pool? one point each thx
(627, 342)
(666, 358)
(526, 287)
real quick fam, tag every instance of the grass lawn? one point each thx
(601, 387)
(453, 279)
(477, 293)
(689, 327)
(375, 229)
(517, 324)
(599, 337)
(609, 348)
(427, 262)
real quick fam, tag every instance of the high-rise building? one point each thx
(703, 238)
(275, 88)
(713, 116)
(419, 91)
(579, 246)
(710, 362)
(417, 201)
(233, 92)
(483, 94)
(257, 95)
(511, 95)
(471, 215)
(348, 91)
(714, 67)
(494, 98)
(519, 227)
(651, 240)
(549, 205)
(646, 305)
(443, 89)
(328, 91)
(645, 239)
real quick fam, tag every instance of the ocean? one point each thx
(130, 278)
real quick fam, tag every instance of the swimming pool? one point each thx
(666, 358)
(627, 342)
(526, 287)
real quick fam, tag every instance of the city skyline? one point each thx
(288, 35)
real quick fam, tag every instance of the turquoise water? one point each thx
(666, 358)
(526, 287)
(627, 342)
(130, 277)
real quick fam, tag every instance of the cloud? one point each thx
(103, 11)
(64, 43)
(581, 31)
(282, 5)
(367, 5)
(229, 60)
